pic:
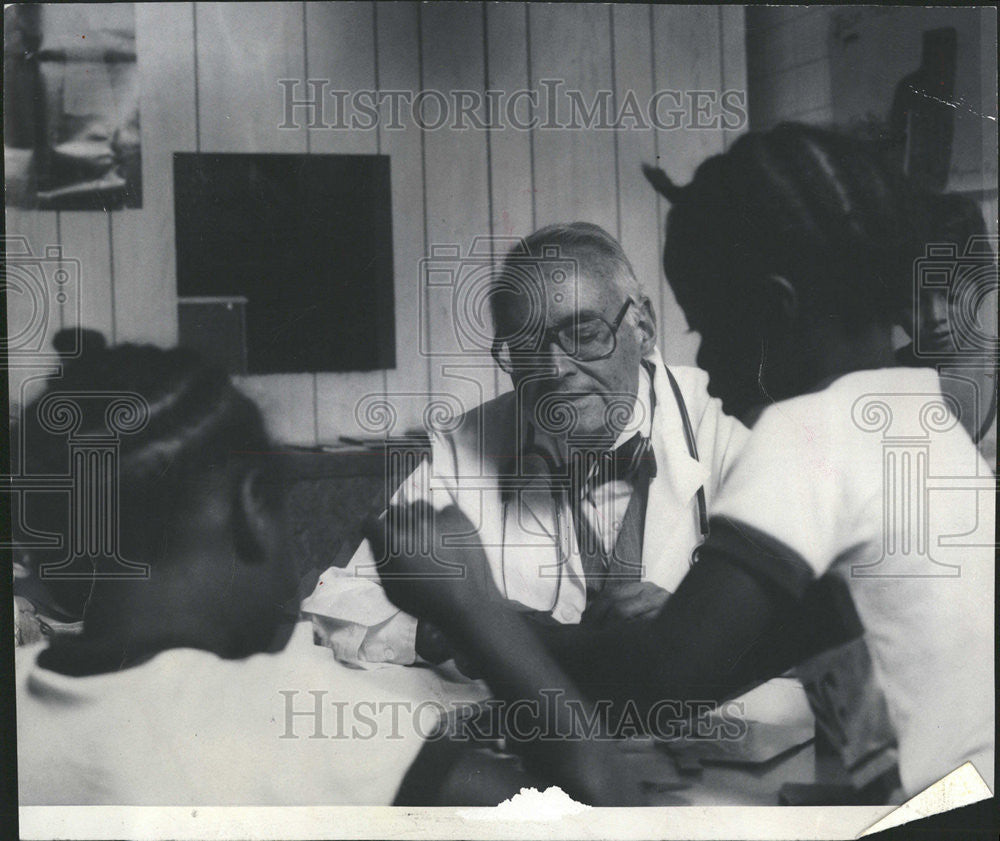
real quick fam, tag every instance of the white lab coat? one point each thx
(351, 612)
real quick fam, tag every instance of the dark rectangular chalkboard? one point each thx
(307, 240)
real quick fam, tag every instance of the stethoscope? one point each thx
(557, 501)
(693, 452)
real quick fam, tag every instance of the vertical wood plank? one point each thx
(85, 236)
(574, 168)
(34, 315)
(243, 50)
(636, 145)
(988, 99)
(340, 49)
(686, 58)
(687, 41)
(509, 148)
(456, 197)
(398, 50)
(734, 61)
(143, 243)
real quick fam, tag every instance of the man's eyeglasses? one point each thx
(584, 339)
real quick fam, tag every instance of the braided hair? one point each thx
(820, 209)
(197, 423)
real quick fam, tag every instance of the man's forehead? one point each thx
(577, 289)
(551, 295)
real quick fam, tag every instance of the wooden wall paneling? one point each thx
(209, 74)
(399, 59)
(574, 169)
(85, 235)
(243, 50)
(636, 145)
(340, 47)
(686, 58)
(988, 100)
(452, 40)
(733, 62)
(142, 240)
(509, 148)
(34, 314)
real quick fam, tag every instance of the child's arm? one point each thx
(723, 629)
(727, 626)
(516, 666)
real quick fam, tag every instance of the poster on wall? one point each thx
(71, 102)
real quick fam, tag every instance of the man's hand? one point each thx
(422, 571)
(627, 600)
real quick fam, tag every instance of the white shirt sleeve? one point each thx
(350, 612)
(785, 484)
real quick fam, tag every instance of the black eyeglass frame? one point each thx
(554, 334)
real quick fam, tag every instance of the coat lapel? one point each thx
(672, 530)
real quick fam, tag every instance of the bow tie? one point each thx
(625, 463)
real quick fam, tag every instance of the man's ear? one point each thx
(646, 324)
(781, 304)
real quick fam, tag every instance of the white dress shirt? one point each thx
(605, 505)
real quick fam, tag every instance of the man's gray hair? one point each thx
(596, 253)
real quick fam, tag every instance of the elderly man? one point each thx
(589, 484)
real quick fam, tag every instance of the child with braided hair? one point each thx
(169, 694)
(814, 247)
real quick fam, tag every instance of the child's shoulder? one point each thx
(858, 401)
(839, 430)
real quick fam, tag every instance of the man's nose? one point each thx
(563, 363)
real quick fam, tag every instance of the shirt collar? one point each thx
(641, 421)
